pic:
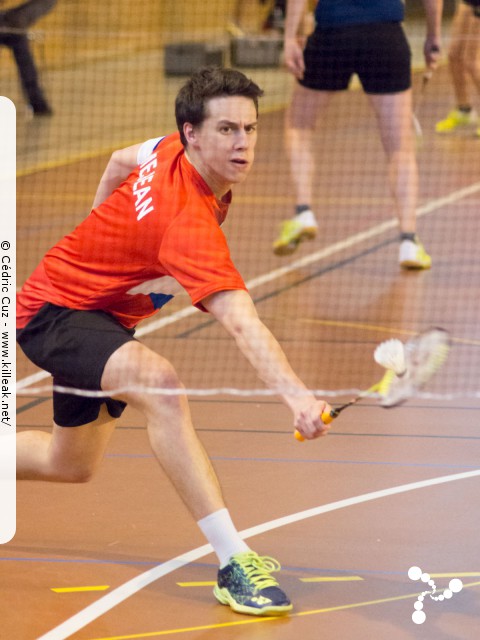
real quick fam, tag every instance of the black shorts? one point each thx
(378, 53)
(74, 347)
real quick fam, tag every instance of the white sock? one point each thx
(221, 533)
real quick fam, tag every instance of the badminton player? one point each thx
(156, 220)
(367, 39)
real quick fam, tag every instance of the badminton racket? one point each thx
(426, 77)
(408, 367)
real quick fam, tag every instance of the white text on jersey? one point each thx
(141, 188)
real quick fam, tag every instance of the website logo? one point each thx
(454, 586)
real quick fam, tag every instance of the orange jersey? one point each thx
(163, 222)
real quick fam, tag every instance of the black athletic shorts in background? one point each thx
(378, 53)
(74, 347)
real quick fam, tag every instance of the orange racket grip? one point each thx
(327, 418)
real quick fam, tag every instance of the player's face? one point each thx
(222, 147)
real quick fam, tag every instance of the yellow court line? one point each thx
(373, 327)
(156, 634)
(332, 579)
(197, 584)
(70, 159)
(236, 623)
(102, 587)
(468, 574)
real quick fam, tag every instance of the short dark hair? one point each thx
(208, 83)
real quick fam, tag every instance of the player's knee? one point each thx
(160, 376)
(168, 377)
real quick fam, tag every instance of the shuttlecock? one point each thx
(391, 355)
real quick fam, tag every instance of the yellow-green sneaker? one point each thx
(456, 119)
(412, 255)
(302, 227)
(245, 584)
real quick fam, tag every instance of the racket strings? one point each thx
(424, 355)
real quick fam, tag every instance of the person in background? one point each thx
(14, 25)
(464, 66)
(366, 39)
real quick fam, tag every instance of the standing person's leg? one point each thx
(457, 58)
(329, 62)
(384, 69)
(394, 116)
(462, 63)
(458, 63)
(28, 74)
(300, 121)
(472, 50)
(472, 56)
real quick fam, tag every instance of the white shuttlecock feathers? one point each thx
(391, 355)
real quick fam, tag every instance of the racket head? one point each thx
(424, 355)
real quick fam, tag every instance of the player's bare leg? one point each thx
(463, 61)
(67, 454)
(300, 122)
(172, 436)
(301, 118)
(394, 116)
(395, 120)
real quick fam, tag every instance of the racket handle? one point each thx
(327, 418)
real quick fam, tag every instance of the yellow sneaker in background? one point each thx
(412, 255)
(302, 227)
(456, 119)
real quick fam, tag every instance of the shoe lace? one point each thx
(258, 568)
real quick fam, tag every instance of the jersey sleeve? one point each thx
(147, 148)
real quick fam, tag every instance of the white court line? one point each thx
(118, 595)
(347, 243)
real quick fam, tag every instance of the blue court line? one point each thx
(150, 563)
(303, 461)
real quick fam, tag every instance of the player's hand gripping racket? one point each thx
(409, 367)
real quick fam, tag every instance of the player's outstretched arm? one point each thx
(119, 167)
(237, 314)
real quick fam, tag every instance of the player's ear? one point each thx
(189, 132)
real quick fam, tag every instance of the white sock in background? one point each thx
(221, 533)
